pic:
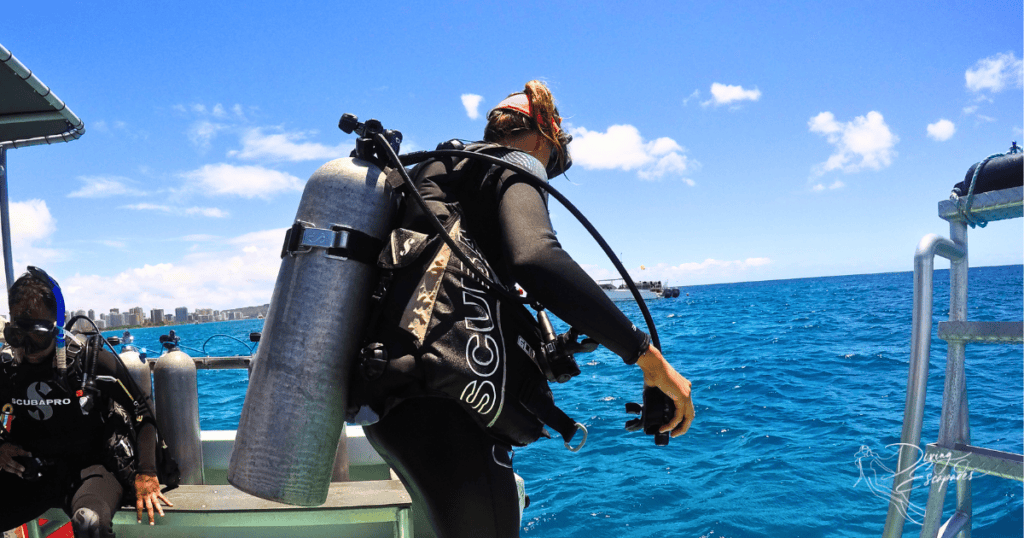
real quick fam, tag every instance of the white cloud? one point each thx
(621, 147)
(941, 130)
(691, 97)
(203, 132)
(865, 142)
(236, 272)
(218, 111)
(31, 227)
(244, 181)
(163, 208)
(819, 187)
(31, 221)
(286, 146)
(103, 186)
(472, 104)
(723, 94)
(995, 73)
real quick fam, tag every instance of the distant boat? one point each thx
(616, 289)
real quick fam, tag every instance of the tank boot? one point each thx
(86, 524)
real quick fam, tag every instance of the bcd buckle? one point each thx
(373, 361)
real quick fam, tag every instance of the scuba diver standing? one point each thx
(79, 438)
(453, 452)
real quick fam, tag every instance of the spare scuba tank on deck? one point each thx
(294, 408)
(177, 412)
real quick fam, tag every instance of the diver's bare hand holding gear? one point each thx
(659, 373)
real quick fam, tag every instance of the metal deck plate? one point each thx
(982, 460)
(993, 205)
(989, 332)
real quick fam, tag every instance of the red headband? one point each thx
(520, 102)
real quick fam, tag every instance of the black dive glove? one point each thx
(658, 410)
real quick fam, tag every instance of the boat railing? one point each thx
(953, 452)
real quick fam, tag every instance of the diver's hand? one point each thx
(7, 453)
(659, 373)
(147, 495)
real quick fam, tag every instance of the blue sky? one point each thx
(715, 142)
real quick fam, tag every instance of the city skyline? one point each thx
(136, 316)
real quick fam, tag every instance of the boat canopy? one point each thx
(30, 114)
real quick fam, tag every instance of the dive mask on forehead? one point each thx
(559, 160)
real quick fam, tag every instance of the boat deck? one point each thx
(373, 503)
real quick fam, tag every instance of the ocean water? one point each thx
(799, 388)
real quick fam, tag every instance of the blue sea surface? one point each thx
(799, 388)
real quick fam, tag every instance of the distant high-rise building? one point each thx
(92, 314)
(156, 316)
(181, 314)
(100, 324)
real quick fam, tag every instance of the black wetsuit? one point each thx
(48, 422)
(451, 466)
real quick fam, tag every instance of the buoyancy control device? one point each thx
(322, 303)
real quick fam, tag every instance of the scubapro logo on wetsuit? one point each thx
(59, 401)
(36, 397)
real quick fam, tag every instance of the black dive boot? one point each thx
(86, 524)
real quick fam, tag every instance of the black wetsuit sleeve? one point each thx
(145, 433)
(552, 277)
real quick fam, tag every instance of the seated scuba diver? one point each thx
(77, 439)
(456, 466)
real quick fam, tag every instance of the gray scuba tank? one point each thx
(294, 407)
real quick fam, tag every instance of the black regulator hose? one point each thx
(119, 364)
(418, 157)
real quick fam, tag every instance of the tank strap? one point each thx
(338, 241)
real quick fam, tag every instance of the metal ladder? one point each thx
(953, 451)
